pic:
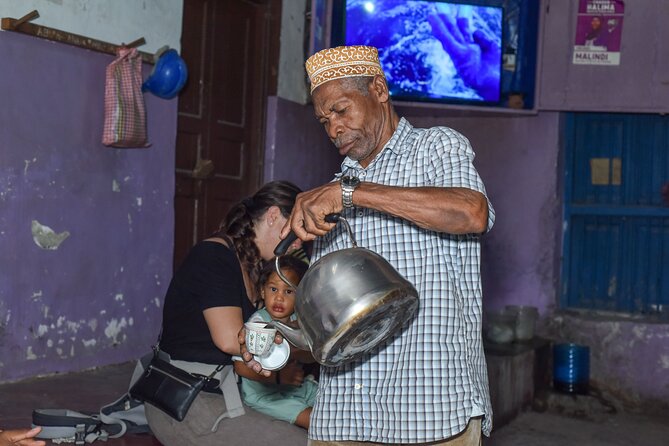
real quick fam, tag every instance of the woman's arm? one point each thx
(224, 323)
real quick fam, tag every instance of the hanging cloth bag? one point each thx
(125, 114)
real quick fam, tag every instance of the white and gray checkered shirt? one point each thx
(424, 384)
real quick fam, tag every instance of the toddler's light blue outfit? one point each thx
(283, 402)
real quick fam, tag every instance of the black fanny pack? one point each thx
(170, 388)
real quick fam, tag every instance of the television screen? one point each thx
(442, 51)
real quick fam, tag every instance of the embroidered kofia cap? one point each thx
(343, 61)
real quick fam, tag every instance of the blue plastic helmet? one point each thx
(168, 76)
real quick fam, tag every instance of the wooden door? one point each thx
(231, 49)
(616, 249)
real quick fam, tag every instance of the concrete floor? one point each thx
(592, 419)
(83, 392)
(549, 429)
(587, 422)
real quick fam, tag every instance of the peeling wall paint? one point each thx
(81, 260)
(27, 163)
(664, 362)
(114, 330)
(45, 237)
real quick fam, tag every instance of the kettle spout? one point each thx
(294, 335)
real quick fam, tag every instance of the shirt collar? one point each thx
(395, 144)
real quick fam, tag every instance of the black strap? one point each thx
(218, 369)
(156, 349)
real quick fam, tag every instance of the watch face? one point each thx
(347, 180)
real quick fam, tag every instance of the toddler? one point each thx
(291, 396)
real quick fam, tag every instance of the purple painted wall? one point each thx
(639, 84)
(96, 298)
(517, 159)
(296, 145)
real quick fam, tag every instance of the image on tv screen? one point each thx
(432, 50)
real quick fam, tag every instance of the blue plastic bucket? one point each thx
(571, 368)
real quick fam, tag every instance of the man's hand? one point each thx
(21, 437)
(307, 220)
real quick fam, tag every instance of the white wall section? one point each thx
(116, 21)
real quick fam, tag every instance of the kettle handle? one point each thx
(284, 244)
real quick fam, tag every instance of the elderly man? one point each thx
(413, 196)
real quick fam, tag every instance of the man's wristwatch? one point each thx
(348, 185)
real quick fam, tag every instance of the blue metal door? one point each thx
(616, 218)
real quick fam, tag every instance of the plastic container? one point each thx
(525, 321)
(571, 368)
(500, 327)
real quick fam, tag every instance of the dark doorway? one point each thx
(231, 48)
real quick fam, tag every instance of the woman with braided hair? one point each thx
(210, 296)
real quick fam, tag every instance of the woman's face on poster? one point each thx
(595, 23)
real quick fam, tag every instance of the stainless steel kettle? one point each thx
(347, 303)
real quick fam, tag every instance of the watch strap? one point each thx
(347, 196)
(348, 185)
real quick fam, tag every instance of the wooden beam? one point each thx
(21, 25)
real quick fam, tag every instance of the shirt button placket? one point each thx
(358, 406)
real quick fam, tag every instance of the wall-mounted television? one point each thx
(437, 51)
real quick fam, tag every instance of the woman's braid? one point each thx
(239, 223)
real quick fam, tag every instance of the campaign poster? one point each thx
(599, 28)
